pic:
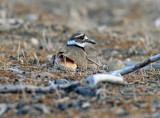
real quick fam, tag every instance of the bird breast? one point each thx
(73, 56)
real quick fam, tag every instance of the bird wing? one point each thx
(79, 56)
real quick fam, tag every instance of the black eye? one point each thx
(79, 36)
(82, 37)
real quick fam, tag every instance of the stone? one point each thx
(115, 64)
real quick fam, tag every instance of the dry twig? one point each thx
(93, 80)
(115, 76)
(137, 66)
(148, 67)
(93, 62)
(26, 88)
(38, 89)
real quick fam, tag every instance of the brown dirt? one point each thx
(122, 29)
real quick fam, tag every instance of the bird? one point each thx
(73, 56)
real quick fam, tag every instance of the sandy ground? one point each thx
(123, 30)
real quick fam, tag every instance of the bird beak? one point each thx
(89, 40)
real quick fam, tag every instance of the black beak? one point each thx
(90, 41)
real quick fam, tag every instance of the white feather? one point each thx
(85, 37)
(72, 42)
(79, 35)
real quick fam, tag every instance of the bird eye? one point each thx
(82, 37)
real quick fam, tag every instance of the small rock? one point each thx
(128, 60)
(156, 115)
(34, 42)
(121, 112)
(62, 100)
(104, 67)
(102, 28)
(13, 57)
(61, 81)
(32, 17)
(14, 21)
(42, 108)
(2, 55)
(157, 22)
(3, 12)
(61, 107)
(86, 91)
(23, 110)
(86, 105)
(114, 53)
(92, 66)
(115, 65)
(3, 108)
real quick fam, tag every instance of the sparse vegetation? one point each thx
(31, 32)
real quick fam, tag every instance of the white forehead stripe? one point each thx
(85, 37)
(72, 42)
(79, 35)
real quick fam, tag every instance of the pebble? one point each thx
(23, 110)
(92, 66)
(121, 112)
(115, 64)
(61, 81)
(157, 22)
(85, 91)
(34, 42)
(156, 115)
(3, 108)
(32, 17)
(86, 105)
(42, 108)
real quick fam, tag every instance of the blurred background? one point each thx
(86, 14)
(31, 32)
(130, 24)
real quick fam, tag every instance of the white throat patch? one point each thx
(72, 42)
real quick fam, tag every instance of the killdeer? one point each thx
(73, 56)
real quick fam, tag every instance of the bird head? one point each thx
(79, 39)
